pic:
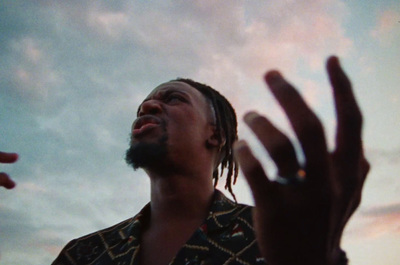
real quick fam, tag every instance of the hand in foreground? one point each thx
(5, 180)
(299, 219)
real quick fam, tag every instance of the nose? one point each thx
(151, 106)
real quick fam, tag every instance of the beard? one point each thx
(145, 155)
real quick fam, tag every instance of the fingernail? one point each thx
(250, 116)
(11, 185)
(272, 76)
(240, 145)
(334, 60)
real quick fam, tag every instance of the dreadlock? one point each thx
(226, 124)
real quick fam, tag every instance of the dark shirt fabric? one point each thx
(225, 237)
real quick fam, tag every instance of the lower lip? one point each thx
(144, 128)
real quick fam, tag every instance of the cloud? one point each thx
(281, 35)
(211, 35)
(109, 23)
(75, 72)
(379, 213)
(387, 23)
(384, 156)
(33, 72)
(382, 210)
(375, 222)
(31, 187)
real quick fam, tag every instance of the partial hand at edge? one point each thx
(5, 180)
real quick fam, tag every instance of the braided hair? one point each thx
(226, 124)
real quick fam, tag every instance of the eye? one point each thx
(174, 98)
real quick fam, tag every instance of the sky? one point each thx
(72, 74)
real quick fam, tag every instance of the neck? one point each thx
(178, 198)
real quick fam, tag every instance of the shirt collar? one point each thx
(220, 214)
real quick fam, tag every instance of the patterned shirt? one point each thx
(225, 237)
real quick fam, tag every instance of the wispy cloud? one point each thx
(73, 74)
(382, 210)
(375, 222)
(385, 29)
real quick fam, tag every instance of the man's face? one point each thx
(174, 122)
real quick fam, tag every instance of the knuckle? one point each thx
(366, 166)
(310, 126)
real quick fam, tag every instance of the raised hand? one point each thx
(299, 219)
(5, 180)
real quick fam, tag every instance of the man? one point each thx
(184, 132)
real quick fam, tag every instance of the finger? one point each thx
(275, 142)
(353, 199)
(355, 192)
(348, 135)
(6, 181)
(305, 123)
(252, 170)
(8, 157)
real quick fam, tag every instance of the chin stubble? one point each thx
(145, 155)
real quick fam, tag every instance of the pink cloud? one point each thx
(386, 22)
(384, 29)
(53, 250)
(375, 222)
(288, 36)
(30, 187)
(383, 225)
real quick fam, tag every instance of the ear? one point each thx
(215, 140)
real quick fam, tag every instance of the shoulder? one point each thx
(102, 244)
(228, 215)
(228, 233)
(225, 207)
(244, 211)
